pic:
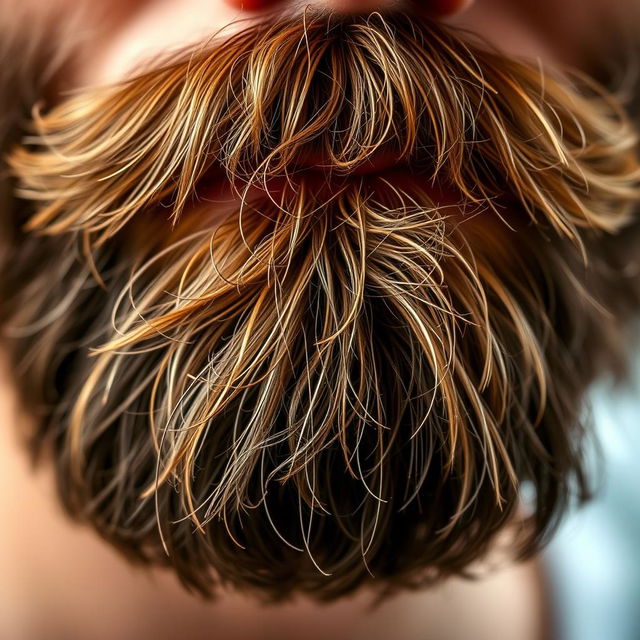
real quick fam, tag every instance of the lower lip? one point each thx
(320, 181)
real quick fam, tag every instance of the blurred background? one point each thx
(593, 563)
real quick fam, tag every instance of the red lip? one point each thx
(320, 179)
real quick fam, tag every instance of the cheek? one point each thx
(133, 33)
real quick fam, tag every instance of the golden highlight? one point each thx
(348, 376)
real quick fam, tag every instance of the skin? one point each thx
(131, 32)
(59, 580)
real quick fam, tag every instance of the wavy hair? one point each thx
(347, 375)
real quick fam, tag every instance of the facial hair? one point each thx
(349, 377)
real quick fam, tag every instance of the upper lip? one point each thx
(378, 162)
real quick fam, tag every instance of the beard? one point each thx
(347, 376)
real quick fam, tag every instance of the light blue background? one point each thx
(594, 562)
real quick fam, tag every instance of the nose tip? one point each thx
(436, 8)
(444, 8)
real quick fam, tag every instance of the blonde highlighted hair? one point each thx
(346, 379)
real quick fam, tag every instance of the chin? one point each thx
(316, 332)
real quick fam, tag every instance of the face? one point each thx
(303, 306)
(121, 34)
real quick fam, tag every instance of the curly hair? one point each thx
(346, 374)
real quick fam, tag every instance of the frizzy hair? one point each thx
(343, 380)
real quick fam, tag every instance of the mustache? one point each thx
(343, 91)
(331, 383)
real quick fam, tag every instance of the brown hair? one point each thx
(337, 383)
